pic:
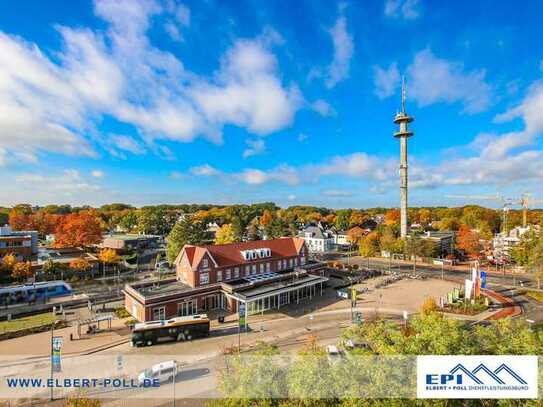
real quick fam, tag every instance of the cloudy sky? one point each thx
(149, 102)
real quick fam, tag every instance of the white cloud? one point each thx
(323, 108)
(173, 31)
(256, 147)
(175, 175)
(433, 80)
(181, 17)
(343, 52)
(53, 105)
(126, 143)
(291, 197)
(205, 170)
(406, 9)
(97, 173)
(283, 173)
(337, 193)
(356, 165)
(501, 159)
(386, 81)
(54, 187)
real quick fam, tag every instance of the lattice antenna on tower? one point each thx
(403, 94)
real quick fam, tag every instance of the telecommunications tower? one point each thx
(402, 119)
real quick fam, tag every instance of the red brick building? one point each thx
(262, 274)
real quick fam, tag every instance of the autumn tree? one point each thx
(21, 271)
(449, 224)
(225, 234)
(392, 217)
(108, 257)
(369, 244)
(78, 229)
(8, 263)
(80, 264)
(468, 241)
(19, 220)
(357, 218)
(266, 218)
(425, 216)
(390, 242)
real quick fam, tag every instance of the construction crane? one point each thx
(525, 201)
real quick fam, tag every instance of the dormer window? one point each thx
(205, 263)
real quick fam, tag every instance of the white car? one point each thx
(163, 372)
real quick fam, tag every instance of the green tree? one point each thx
(186, 231)
(526, 248)
(129, 220)
(343, 218)
(253, 232)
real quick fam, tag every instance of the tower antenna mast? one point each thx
(403, 94)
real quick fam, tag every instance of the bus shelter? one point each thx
(94, 323)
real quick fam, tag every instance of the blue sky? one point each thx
(245, 101)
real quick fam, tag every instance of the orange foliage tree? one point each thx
(80, 264)
(78, 229)
(392, 217)
(468, 241)
(22, 271)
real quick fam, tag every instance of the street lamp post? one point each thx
(52, 370)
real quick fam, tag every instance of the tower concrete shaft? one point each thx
(402, 119)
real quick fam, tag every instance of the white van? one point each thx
(163, 372)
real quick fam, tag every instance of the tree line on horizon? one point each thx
(187, 223)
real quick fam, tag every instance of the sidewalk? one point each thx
(39, 345)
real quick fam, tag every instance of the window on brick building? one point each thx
(204, 278)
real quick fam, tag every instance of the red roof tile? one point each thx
(230, 254)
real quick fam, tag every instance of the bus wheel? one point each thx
(149, 343)
(180, 337)
(189, 337)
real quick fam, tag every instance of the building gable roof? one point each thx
(224, 255)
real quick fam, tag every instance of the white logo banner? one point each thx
(477, 377)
